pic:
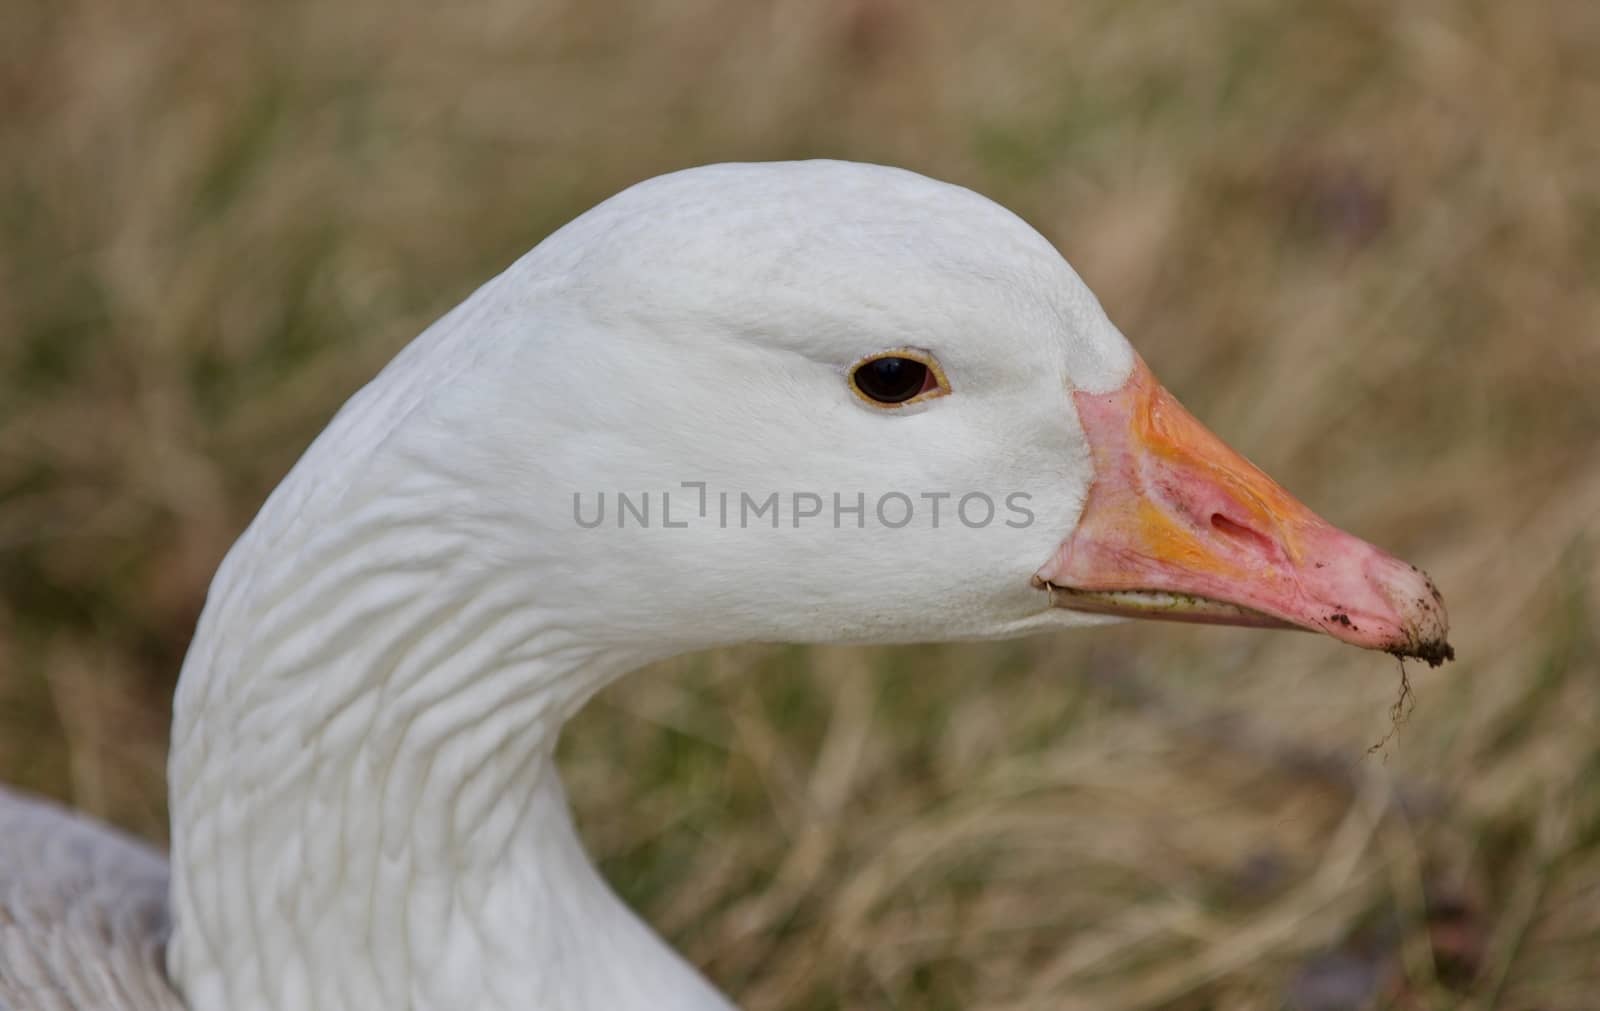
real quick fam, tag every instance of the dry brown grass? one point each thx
(1360, 239)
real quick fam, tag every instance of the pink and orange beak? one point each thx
(1180, 527)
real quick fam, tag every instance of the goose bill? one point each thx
(1178, 526)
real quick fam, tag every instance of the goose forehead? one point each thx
(831, 260)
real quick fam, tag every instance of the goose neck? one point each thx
(366, 806)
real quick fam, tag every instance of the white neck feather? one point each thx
(366, 810)
(380, 822)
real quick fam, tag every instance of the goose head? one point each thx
(808, 402)
(834, 402)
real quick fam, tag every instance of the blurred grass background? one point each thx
(1360, 239)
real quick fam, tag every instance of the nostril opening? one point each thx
(1239, 532)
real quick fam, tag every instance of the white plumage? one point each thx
(365, 808)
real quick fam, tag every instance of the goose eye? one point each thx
(896, 377)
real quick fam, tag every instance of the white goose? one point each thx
(365, 809)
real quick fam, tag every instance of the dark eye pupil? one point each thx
(891, 380)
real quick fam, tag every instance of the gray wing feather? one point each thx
(83, 914)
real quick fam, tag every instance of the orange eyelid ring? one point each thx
(934, 384)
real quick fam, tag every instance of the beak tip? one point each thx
(1421, 626)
